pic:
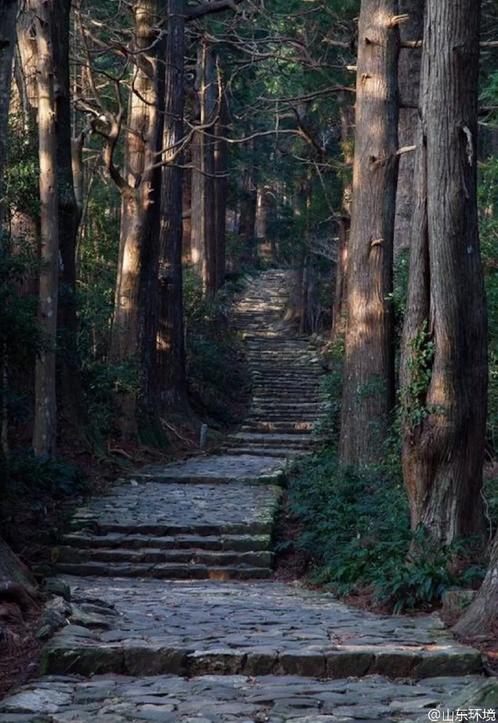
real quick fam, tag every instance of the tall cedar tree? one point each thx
(132, 336)
(444, 365)
(369, 366)
(45, 423)
(170, 334)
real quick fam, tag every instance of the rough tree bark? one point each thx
(444, 361)
(481, 618)
(132, 338)
(170, 335)
(45, 422)
(369, 371)
(409, 82)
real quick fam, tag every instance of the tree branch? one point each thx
(208, 8)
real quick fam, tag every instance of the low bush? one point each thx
(356, 527)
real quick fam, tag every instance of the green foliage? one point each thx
(22, 169)
(331, 388)
(103, 382)
(400, 289)
(356, 526)
(413, 400)
(420, 581)
(39, 474)
(214, 370)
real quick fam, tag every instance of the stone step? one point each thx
(169, 698)
(283, 427)
(278, 382)
(164, 571)
(189, 557)
(282, 453)
(268, 420)
(239, 543)
(169, 530)
(247, 628)
(291, 441)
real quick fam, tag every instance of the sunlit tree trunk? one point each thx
(170, 336)
(369, 369)
(203, 167)
(45, 422)
(411, 31)
(132, 340)
(444, 365)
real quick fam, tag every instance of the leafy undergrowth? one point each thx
(216, 369)
(354, 531)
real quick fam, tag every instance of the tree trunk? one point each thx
(480, 620)
(203, 168)
(344, 222)
(248, 209)
(221, 187)
(45, 423)
(170, 336)
(409, 82)
(444, 363)
(132, 336)
(369, 370)
(69, 217)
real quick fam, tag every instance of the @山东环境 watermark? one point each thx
(462, 714)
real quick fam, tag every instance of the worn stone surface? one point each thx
(228, 698)
(153, 506)
(253, 628)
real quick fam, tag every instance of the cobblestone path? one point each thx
(174, 616)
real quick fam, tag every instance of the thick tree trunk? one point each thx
(170, 336)
(369, 369)
(480, 620)
(444, 365)
(133, 339)
(45, 422)
(69, 217)
(409, 82)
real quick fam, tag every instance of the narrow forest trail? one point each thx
(175, 616)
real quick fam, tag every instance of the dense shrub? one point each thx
(356, 527)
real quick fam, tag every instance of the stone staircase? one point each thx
(174, 615)
(158, 526)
